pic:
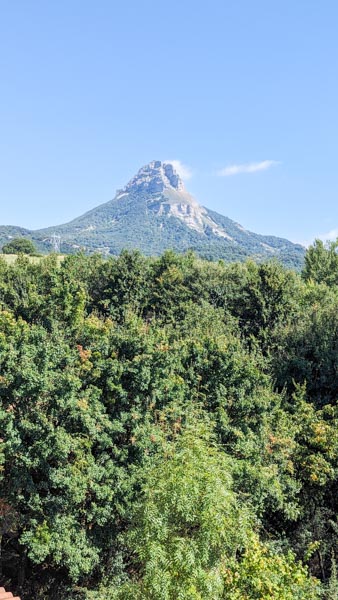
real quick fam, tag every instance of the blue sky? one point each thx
(245, 94)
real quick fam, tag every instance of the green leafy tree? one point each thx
(19, 246)
(187, 522)
(61, 466)
(191, 537)
(321, 262)
(264, 574)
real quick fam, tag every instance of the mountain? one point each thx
(155, 212)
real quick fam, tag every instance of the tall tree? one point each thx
(321, 262)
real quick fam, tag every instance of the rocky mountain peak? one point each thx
(167, 197)
(156, 177)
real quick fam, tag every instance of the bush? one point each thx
(19, 246)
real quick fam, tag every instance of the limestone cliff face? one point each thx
(155, 178)
(168, 197)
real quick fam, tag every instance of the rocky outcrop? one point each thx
(155, 178)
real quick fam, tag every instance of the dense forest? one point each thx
(169, 428)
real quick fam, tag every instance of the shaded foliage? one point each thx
(168, 429)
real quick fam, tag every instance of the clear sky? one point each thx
(245, 94)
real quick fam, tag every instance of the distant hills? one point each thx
(155, 212)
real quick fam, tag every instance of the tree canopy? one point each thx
(168, 429)
(19, 246)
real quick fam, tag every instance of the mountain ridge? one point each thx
(155, 212)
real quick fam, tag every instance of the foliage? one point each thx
(187, 521)
(168, 429)
(321, 263)
(263, 574)
(19, 246)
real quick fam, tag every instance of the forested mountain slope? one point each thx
(169, 428)
(153, 213)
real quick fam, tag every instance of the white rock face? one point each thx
(89, 228)
(163, 183)
(154, 178)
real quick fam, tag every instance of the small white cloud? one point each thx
(184, 171)
(329, 236)
(253, 167)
